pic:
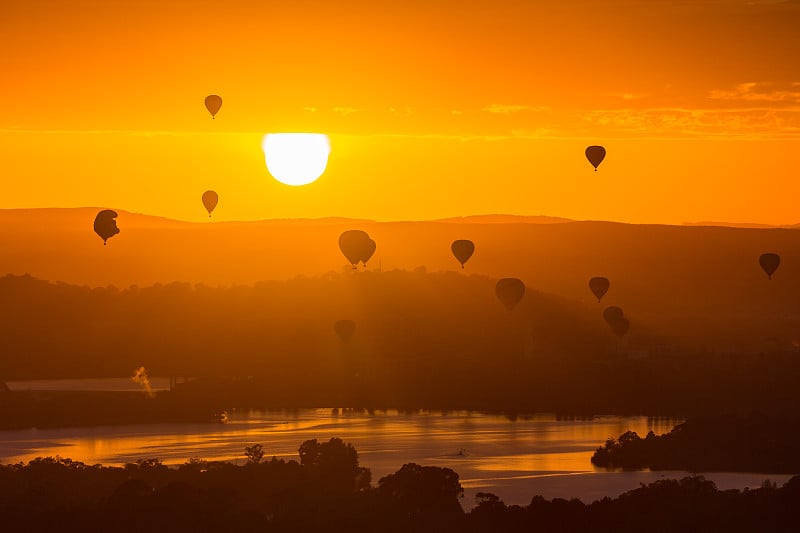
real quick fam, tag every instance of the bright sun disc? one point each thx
(296, 158)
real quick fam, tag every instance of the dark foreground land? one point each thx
(327, 490)
(755, 443)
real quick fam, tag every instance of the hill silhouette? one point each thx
(699, 287)
(505, 219)
(437, 340)
(411, 320)
(741, 225)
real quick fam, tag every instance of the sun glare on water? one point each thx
(296, 158)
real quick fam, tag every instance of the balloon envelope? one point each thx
(769, 263)
(599, 287)
(213, 103)
(616, 319)
(356, 245)
(367, 249)
(613, 314)
(344, 329)
(210, 200)
(510, 291)
(621, 327)
(463, 250)
(105, 224)
(595, 155)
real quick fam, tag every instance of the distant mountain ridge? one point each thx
(751, 225)
(142, 220)
(145, 220)
(505, 219)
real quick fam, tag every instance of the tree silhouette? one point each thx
(336, 463)
(254, 454)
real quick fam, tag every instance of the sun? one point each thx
(296, 158)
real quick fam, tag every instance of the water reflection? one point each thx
(540, 454)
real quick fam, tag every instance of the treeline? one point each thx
(50, 409)
(422, 340)
(686, 505)
(327, 490)
(403, 319)
(755, 443)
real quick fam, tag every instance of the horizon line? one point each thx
(554, 219)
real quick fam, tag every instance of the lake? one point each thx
(513, 458)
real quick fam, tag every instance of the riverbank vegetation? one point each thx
(754, 443)
(327, 490)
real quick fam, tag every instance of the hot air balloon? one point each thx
(210, 200)
(620, 327)
(615, 318)
(368, 248)
(510, 291)
(595, 155)
(613, 313)
(769, 263)
(344, 329)
(105, 224)
(356, 246)
(463, 250)
(599, 287)
(213, 103)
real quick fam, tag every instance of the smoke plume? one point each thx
(140, 378)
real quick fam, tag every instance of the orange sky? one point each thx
(433, 111)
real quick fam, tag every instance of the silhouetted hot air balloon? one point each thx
(105, 224)
(510, 291)
(213, 103)
(344, 329)
(615, 318)
(210, 200)
(769, 263)
(621, 327)
(463, 250)
(595, 155)
(356, 246)
(368, 248)
(599, 287)
(612, 314)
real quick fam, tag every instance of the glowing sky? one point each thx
(432, 110)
